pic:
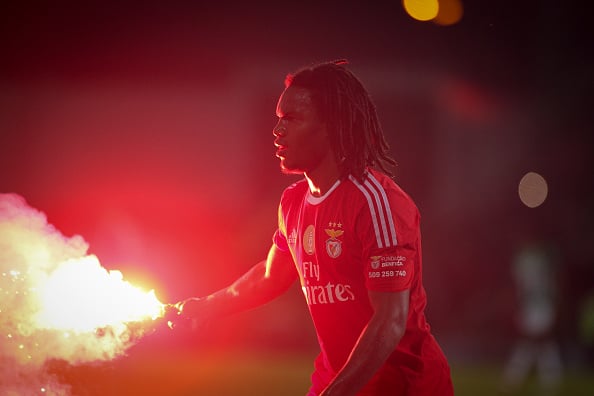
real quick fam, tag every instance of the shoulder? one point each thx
(295, 191)
(299, 187)
(379, 183)
(380, 190)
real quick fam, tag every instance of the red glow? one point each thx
(467, 101)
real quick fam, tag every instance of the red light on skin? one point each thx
(280, 151)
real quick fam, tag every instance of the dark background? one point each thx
(146, 128)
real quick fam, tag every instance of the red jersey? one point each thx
(355, 238)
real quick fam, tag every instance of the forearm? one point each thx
(249, 291)
(375, 344)
(377, 341)
(260, 284)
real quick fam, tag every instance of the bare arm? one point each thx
(377, 341)
(262, 283)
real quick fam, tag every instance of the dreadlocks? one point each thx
(348, 111)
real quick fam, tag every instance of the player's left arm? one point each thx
(376, 342)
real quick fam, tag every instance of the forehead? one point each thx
(294, 100)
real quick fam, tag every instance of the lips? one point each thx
(280, 149)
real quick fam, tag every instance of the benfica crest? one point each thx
(333, 245)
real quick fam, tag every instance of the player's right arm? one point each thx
(262, 283)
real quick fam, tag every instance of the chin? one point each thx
(287, 170)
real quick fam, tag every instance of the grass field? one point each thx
(246, 374)
(485, 380)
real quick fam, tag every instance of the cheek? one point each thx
(314, 153)
(321, 143)
(310, 144)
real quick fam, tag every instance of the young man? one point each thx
(351, 236)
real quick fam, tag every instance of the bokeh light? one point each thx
(421, 10)
(533, 189)
(450, 12)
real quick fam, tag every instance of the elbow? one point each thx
(393, 330)
(388, 333)
(398, 331)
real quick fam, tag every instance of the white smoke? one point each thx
(30, 251)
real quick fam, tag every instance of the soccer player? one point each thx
(351, 236)
(534, 269)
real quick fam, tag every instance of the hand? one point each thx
(191, 307)
(171, 314)
(190, 313)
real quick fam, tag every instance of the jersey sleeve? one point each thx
(280, 235)
(280, 241)
(390, 270)
(390, 237)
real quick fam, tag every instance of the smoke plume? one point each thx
(31, 252)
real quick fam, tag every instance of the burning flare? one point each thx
(58, 303)
(81, 295)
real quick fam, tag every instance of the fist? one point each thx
(189, 313)
(193, 307)
(172, 311)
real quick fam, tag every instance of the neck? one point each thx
(321, 179)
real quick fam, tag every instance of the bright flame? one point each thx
(81, 295)
(58, 303)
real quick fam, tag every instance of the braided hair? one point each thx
(345, 106)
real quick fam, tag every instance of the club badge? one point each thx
(334, 245)
(375, 262)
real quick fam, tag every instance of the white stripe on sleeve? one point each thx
(387, 206)
(379, 207)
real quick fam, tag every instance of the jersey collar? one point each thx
(317, 200)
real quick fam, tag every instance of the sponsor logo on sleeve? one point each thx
(387, 267)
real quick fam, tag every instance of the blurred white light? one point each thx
(533, 189)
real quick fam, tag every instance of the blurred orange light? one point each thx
(450, 12)
(533, 189)
(421, 10)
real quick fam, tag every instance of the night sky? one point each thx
(146, 128)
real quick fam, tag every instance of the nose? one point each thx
(279, 130)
